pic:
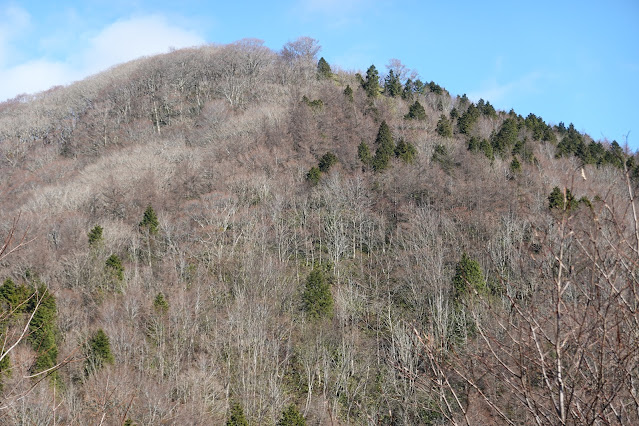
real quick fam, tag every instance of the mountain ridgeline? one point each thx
(230, 234)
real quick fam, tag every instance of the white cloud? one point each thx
(129, 39)
(119, 42)
(34, 76)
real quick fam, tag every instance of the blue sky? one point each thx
(570, 61)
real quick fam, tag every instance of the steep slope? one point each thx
(315, 230)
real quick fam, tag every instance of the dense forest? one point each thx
(234, 235)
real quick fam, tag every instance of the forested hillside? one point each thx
(233, 234)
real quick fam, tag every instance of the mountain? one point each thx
(230, 234)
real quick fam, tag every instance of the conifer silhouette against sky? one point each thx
(570, 61)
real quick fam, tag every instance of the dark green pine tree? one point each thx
(364, 153)
(348, 92)
(416, 112)
(98, 352)
(556, 199)
(13, 297)
(150, 221)
(371, 85)
(95, 236)
(444, 127)
(114, 267)
(405, 151)
(409, 90)
(515, 166)
(43, 329)
(317, 298)
(327, 161)
(468, 119)
(237, 417)
(468, 279)
(487, 149)
(323, 69)
(291, 417)
(385, 147)
(506, 138)
(392, 86)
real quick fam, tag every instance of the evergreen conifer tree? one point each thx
(515, 166)
(114, 267)
(385, 148)
(444, 127)
(405, 151)
(317, 298)
(323, 69)
(291, 417)
(327, 161)
(468, 278)
(392, 85)
(416, 112)
(371, 85)
(98, 352)
(364, 153)
(160, 305)
(237, 417)
(348, 92)
(95, 236)
(150, 221)
(43, 329)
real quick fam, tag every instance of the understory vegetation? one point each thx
(233, 235)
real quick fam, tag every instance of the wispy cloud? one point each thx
(503, 93)
(118, 42)
(15, 21)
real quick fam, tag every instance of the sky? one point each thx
(566, 61)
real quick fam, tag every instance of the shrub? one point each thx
(313, 175)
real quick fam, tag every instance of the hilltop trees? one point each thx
(323, 69)
(371, 84)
